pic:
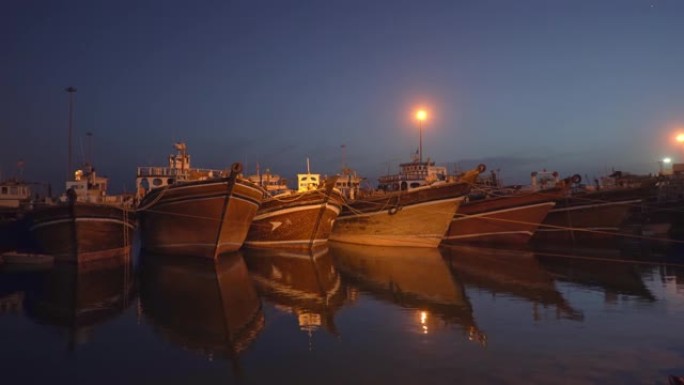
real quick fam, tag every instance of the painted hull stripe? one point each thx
(208, 245)
(584, 207)
(81, 220)
(460, 216)
(581, 229)
(408, 207)
(224, 182)
(489, 234)
(291, 253)
(317, 206)
(221, 197)
(290, 242)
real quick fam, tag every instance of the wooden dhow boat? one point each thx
(85, 224)
(15, 201)
(509, 218)
(297, 219)
(415, 211)
(195, 212)
(591, 215)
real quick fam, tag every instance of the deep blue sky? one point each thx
(575, 86)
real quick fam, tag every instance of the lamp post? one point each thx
(663, 167)
(421, 115)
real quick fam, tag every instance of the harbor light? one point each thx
(668, 160)
(680, 138)
(421, 115)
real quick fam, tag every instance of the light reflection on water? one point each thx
(346, 314)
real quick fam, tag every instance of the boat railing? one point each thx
(175, 172)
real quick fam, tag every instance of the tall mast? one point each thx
(71, 91)
(344, 157)
(89, 149)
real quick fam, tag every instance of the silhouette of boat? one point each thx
(86, 224)
(417, 214)
(297, 219)
(507, 219)
(590, 215)
(194, 212)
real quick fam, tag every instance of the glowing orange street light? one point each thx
(680, 138)
(421, 115)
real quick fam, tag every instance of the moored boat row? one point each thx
(205, 213)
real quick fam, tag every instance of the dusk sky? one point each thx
(577, 86)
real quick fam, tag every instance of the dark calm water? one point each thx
(350, 314)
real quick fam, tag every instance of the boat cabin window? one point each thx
(4, 190)
(157, 182)
(415, 184)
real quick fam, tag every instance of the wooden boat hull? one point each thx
(588, 221)
(418, 218)
(301, 220)
(202, 219)
(504, 220)
(81, 232)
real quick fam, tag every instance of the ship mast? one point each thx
(71, 91)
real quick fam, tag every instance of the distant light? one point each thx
(680, 138)
(667, 160)
(422, 115)
(423, 321)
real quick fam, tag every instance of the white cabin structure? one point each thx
(413, 175)
(178, 170)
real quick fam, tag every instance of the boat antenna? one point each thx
(71, 91)
(20, 168)
(89, 148)
(308, 170)
(344, 156)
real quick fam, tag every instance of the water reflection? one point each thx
(607, 270)
(514, 273)
(414, 278)
(78, 297)
(304, 283)
(208, 307)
